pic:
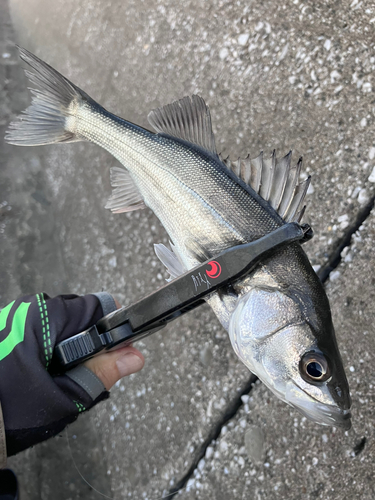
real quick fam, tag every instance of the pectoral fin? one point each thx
(170, 260)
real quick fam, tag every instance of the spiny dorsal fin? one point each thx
(169, 258)
(268, 170)
(275, 181)
(125, 195)
(296, 204)
(188, 119)
(279, 181)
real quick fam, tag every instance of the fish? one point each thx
(278, 317)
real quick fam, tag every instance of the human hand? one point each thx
(37, 404)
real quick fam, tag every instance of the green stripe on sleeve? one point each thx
(4, 313)
(17, 332)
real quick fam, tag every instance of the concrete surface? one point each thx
(292, 75)
(302, 460)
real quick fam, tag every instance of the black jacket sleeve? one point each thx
(37, 405)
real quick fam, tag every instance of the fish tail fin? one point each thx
(51, 116)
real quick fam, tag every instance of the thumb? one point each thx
(112, 366)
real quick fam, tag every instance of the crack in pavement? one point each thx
(214, 433)
(345, 241)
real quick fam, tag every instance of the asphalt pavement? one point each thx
(276, 75)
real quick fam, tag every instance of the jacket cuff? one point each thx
(106, 301)
(87, 380)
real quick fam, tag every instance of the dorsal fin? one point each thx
(275, 181)
(298, 198)
(268, 171)
(125, 195)
(279, 181)
(188, 119)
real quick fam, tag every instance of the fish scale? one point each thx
(230, 216)
(278, 317)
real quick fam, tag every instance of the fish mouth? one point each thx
(320, 413)
(328, 415)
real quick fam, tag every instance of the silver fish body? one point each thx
(203, 202)
(278, 318)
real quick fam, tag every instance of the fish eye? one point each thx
(314, 367)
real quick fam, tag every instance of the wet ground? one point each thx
(292, 75)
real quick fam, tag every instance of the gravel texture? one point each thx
(291, 75)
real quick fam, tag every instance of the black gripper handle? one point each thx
(77, 349)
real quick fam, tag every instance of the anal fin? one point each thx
(125, 194)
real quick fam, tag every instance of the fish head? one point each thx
(275, 338)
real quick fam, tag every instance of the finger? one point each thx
(112, 366)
